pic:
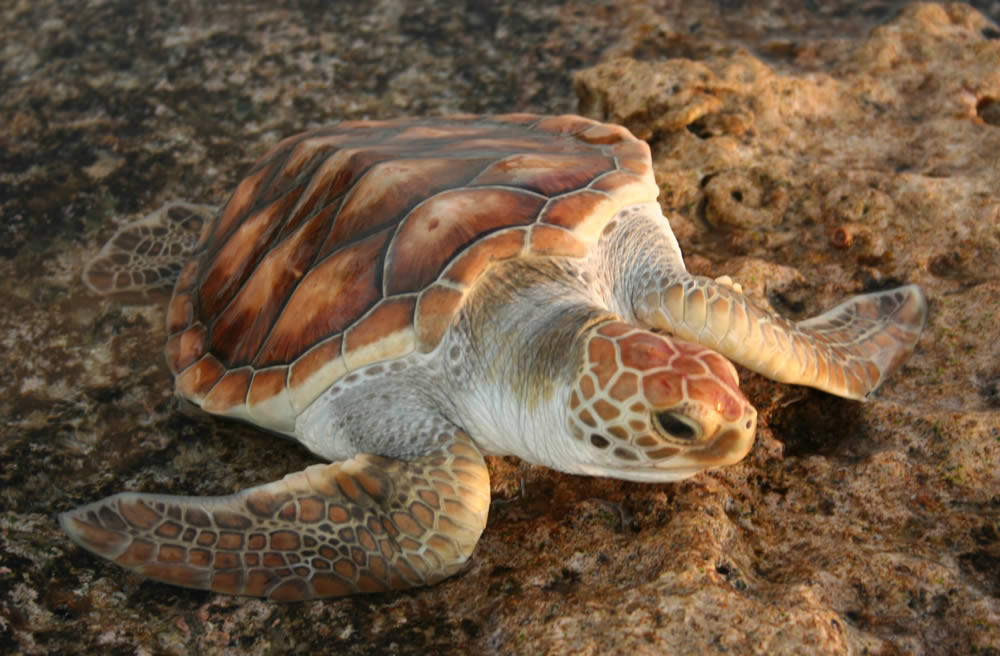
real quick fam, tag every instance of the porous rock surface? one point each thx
(821, 166)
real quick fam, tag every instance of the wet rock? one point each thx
(887, 170)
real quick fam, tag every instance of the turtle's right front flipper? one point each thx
(369, 524)
(848, 351)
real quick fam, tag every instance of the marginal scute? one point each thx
(186, 347)
(502, 245)
(386, 333)
(268, 400)
(635, 150)
(331, 179)
(204, 235)
(628, 189)
(565, 125)
(641, 167)
(266, 384)
(188, 275)
(229, 393)
(605, 133)
(584, 212)
(195, 381)
(315, 371)
(287, 145)
(180, 313)
(553, 241)
(306, 209)
(435, 309)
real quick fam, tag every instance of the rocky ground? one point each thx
(811, 153)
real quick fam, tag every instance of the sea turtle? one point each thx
(404, 296)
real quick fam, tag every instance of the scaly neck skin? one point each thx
(540, 368)
(515, 351)
(639, 250)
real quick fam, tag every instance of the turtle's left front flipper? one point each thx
(369, 524)
(848, 351)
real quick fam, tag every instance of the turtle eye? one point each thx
(676, 426)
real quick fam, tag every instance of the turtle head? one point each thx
(650, 408)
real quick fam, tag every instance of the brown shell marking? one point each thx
(328, 299)
(323, 259)
(444, 225)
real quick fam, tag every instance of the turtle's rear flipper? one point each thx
(369, 524)
(145, 256)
